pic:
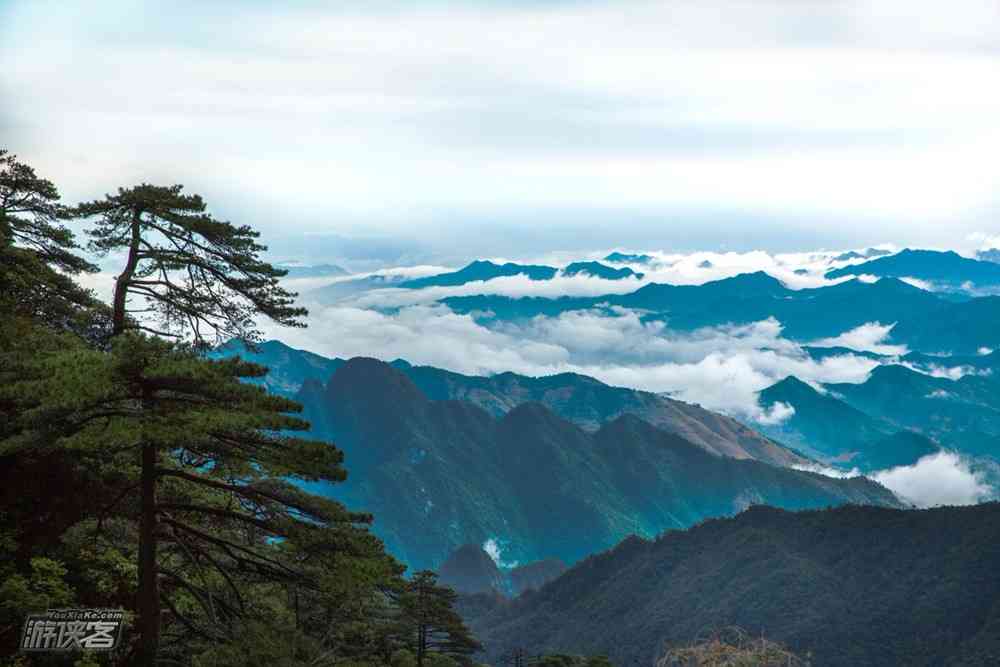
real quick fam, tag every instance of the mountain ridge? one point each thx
(922, 593)
(439, 474)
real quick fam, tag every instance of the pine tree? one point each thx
(429, 621)
(31, 216)
(213, 461)
(37, 252)
(199, 276)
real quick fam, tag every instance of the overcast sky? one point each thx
(439, 130)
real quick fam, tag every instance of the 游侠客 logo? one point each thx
(73, 630)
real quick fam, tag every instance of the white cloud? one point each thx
(943, 478)
(493, 549)
(777, 414)
(985, 241)
(722, 368)
(918, 283)
(868, 337)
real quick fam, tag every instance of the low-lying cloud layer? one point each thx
(944, 478)
(722, 368)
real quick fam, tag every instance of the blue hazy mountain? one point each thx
(991, 255)
(590, 404)
(988, 362)
(343, 289)
(851, 586)
(482, 270)
(471, 570)
(586, 402)
(961, 328)
(314, 271)
(806, 314)
(853, 254)
(963, 414)
(626, 258)
(288, 368)
(599, 270)
(438, 474)
(821, 353)
(836, 433)
(947, 269)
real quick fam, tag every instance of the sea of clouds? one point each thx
(723, 368)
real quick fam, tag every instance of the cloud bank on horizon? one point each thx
(428, 131)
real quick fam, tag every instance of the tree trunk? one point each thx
(421, 627)
(149, 594)
(122, 282)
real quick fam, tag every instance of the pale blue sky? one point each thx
(440, 130)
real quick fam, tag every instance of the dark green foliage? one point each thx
(37, 255)
(851, 586)
(138, 474)
(31, 216)
(428, 622)
(222, 461)
(201, 276)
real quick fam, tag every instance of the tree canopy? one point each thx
(137, 473)
(198, 276)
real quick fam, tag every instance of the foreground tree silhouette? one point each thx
(178, 456)
(198, 276)
(428, 620)
(37, 250)
(211, 457)
(212, 446)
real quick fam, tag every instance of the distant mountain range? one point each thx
(288, 368)
(896, 416)
(586, 402)
(590, 404)
(343, 289)
(483, 270)
(806, 314)
(992, 255)
(830, 430)
(598, 270)
(924, 321)
(311, 271)
(960, 414)
(849, 587)
(628, 258)
(943, 269)
(439, 474)
(949, 321)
